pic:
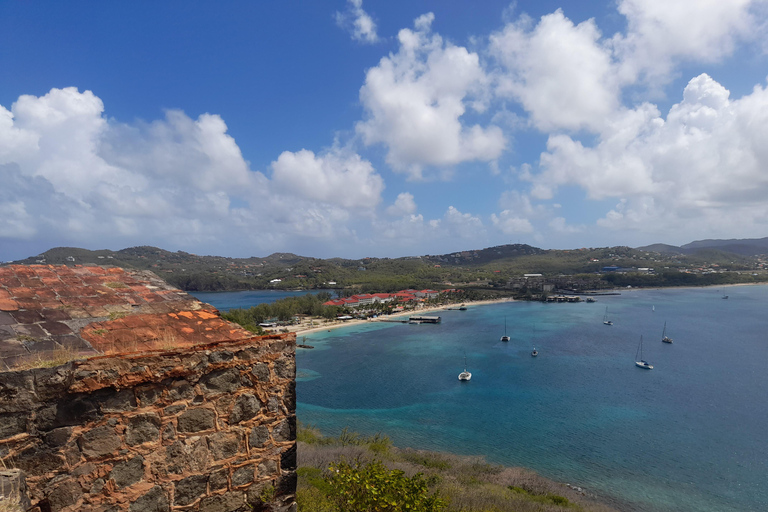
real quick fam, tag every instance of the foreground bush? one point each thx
(371, 487)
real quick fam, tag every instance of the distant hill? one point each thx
(662, 248)
(745, 247)
(742, 247)
(491, 267)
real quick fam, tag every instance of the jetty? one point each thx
(425, 319)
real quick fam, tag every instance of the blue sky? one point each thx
(368, 128)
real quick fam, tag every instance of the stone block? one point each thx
(13, 487)
(156, 500)
(261, 372)
(227, 502)
(67, 412)
(285, 430)
(147, 395)
(174, 409)
(143, 428)
(196, 420)
(223, 445)
(221, 356)
(39, 460)
(57, 437)
(222, 381)
(179, 390)
(12, 424)
(169, 432)
(128, 472)
(110, 400)
(218, 480)
(185, 458)
(190, 489)
(63, 492)
(258, 437)
(246, 407)
(288, 459)
(268, 467)
(243, 475)
(285, 368)
(99, 442)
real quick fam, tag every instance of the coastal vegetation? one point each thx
(495, 268)
(373, 475)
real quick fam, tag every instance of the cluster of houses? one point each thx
(403, 296)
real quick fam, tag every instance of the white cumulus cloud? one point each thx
(336, 177)
(415, 99)
(71, 176)
(358, 22)
(559, 72)
(701, 171)
(403, 205)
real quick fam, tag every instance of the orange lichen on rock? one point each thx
(128, 311)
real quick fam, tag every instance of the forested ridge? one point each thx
(490, 268)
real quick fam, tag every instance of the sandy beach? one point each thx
(315, 325)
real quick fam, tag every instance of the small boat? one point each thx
(664, 337)
(653, 309)
(725, 296)
(535, 352)
(639, 361)
(465, 375)
(462, 308)
(590, 299)
(505, 337)
(303, 343)
(605, 317)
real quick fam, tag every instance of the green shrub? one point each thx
(374, 488)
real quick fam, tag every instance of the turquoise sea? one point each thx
(689, 435)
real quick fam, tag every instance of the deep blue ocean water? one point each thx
(224, 301)
(689, 435)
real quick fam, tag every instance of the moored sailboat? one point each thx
(505, 337)
(664, 337)
(465, 375)
(605, 317)
(639, 361)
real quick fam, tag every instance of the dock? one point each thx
(426, 319)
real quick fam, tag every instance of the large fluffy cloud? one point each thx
(700, 170)
(337, 177)
(558, 72)
(415, 100)
(71, 176)
(661, 33)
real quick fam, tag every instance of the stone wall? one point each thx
(209, 428)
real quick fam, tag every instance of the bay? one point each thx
(689, 435)
(224, 301)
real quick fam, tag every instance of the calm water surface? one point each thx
(224, 301)
(689, 435)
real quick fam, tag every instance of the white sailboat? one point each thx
(664, 337)
(605, 317)
(505, 337)
(639, 361)
(465, 375)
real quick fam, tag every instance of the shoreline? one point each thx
(304, 328)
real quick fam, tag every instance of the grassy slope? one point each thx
(469, 483)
